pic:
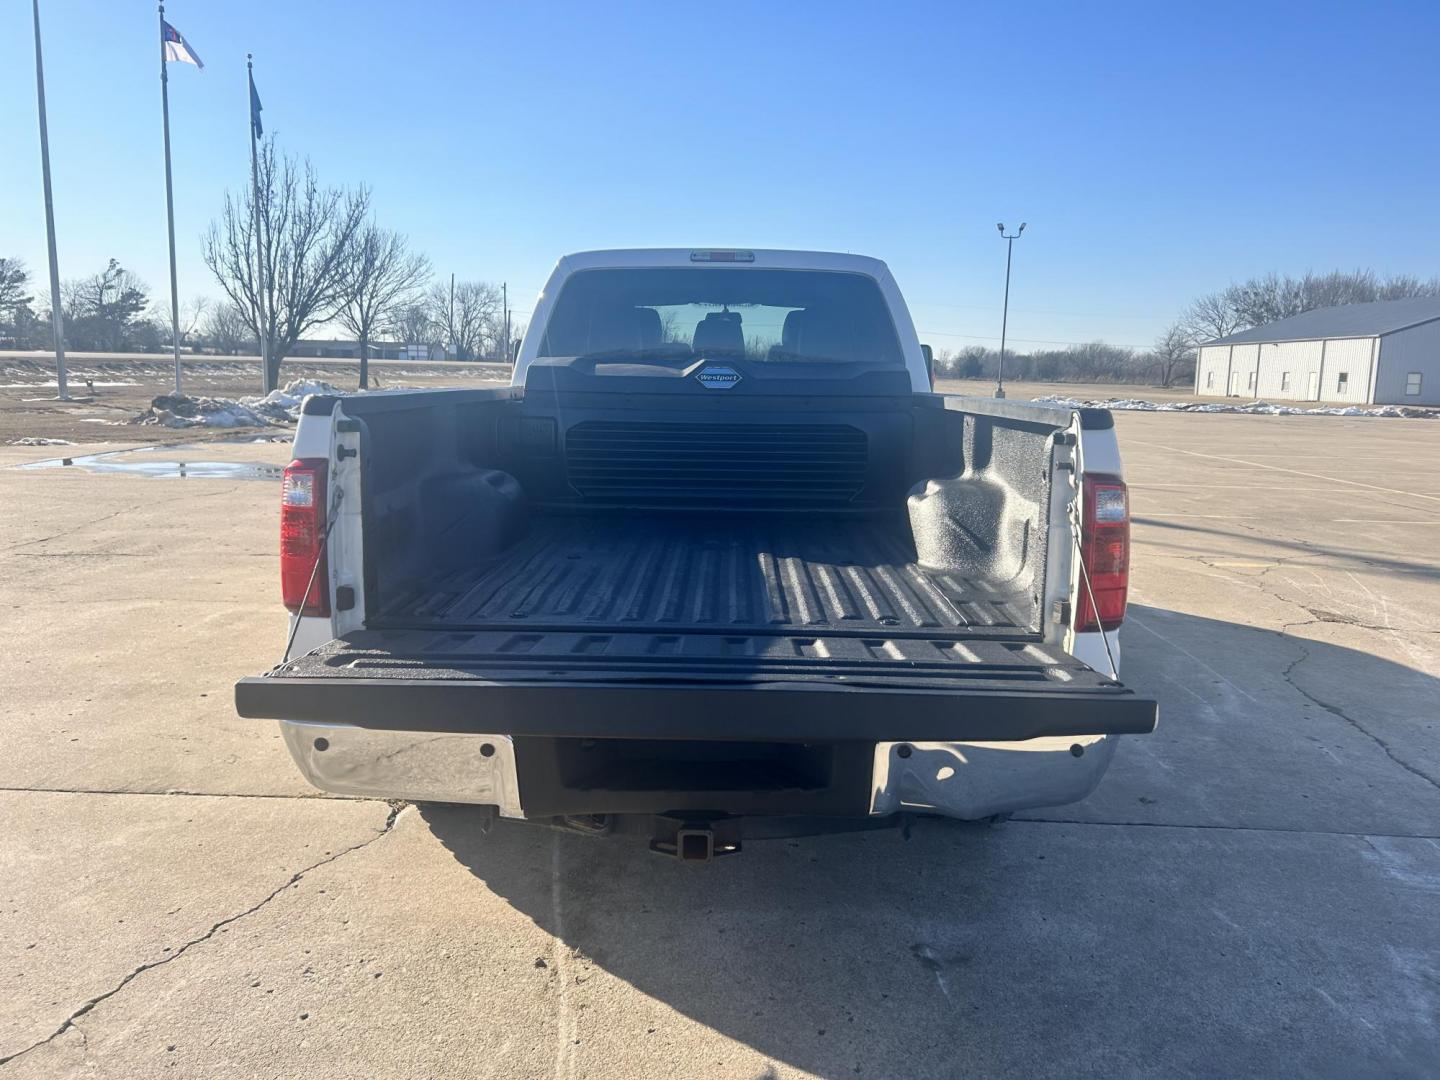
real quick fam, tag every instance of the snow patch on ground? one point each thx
(1262, 408)
(290, 396)
(281, 406)
(35, 440)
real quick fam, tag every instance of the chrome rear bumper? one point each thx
(417, 765)
(978, 780)
(961, 780)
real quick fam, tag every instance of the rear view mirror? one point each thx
(929, 355)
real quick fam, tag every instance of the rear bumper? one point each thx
(423, 766)
(976, 780)
(952, 779)
(537, 726)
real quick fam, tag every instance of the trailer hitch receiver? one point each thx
(695, 843)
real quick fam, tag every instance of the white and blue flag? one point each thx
(177, 48)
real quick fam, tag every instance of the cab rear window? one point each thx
(759, 315)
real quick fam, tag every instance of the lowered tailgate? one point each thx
(758, 688)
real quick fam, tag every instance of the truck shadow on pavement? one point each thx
(1146, 928)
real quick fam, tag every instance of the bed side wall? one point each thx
(979, 501)
(435, 494)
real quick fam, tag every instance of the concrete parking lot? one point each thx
(1253, 891)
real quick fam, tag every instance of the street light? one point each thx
(1010, 239)
(57, 319)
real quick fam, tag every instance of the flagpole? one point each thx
(169, 200)
(259, 237)
(57, 315)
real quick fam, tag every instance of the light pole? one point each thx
(1010, 239)
(57, 318)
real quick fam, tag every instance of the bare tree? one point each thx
(192, 314)
(496, 332)
(1266, 299)
(1213, 316)
(671, 329)
(1094, 361)
(1174, 352)
(228, 329)
(1273, 296)
(465, 315)
(943, 362)
(306, 238)
(1404, 286)
(412, 324)
(381, 277)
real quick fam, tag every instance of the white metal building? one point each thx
(1385, 353)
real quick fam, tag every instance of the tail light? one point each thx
(304, 576)
(1105, 550)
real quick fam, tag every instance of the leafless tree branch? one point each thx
(306, 238)
(381, 277)
(468, 321)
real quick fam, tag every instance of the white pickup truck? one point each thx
(718, 563)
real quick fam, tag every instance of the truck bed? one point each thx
(776, 575)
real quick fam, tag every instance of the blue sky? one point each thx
(1157, 150)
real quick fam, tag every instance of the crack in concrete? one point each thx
(294, 879)
(77, 528)
(86, 555)
(148, 504)
(1336, 711)
(1318, 616)
(1323, 616)
(1388, 566)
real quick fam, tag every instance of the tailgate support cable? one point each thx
(314, 572)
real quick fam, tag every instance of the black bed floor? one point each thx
(776, 575)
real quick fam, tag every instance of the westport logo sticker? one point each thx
(717, 377)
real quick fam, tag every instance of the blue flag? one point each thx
(255, 107)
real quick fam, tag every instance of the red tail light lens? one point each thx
(1105, 548)
(302, 532)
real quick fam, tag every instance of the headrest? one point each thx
(624, 328)
(823, 335)
(719, 332)
(790, 333)
(647, 326)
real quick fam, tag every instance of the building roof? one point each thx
(1345, 321)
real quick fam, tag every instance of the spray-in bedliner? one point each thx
(777, 575)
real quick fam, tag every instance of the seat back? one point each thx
(719, 333)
